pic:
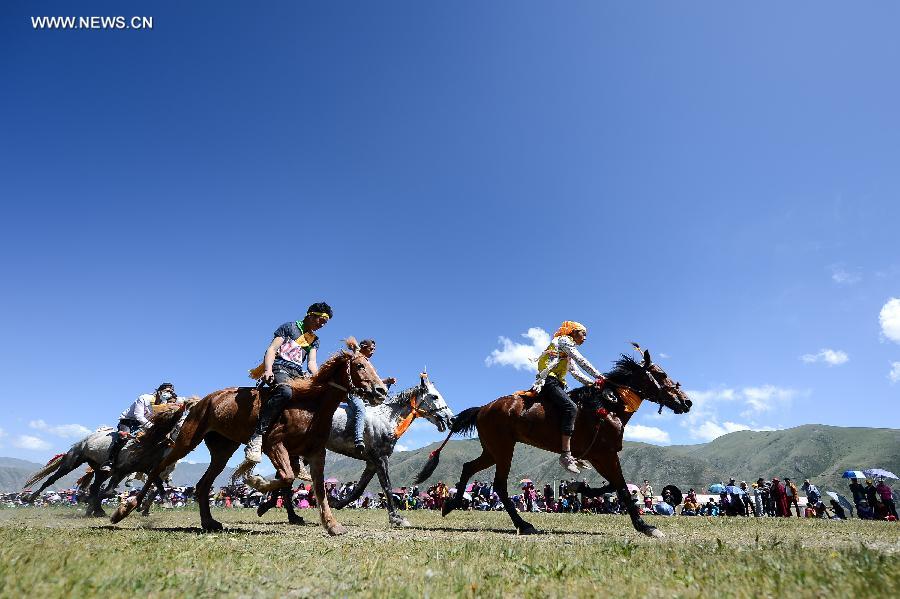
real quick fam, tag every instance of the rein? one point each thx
(416, 411)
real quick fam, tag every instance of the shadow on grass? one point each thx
(189, 529)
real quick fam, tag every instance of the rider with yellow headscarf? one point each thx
(560, 358)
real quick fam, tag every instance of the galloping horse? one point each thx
(522, 418)
(137, 455)
(225, 419)
(385, 424)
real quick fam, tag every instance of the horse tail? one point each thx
(463, 424)
(84, 483)
(47, 469)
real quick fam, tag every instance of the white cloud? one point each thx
(704, 422)
(650, 434)
(842, 276)
(66, 431)
(894, 375)
(832, 357)
(31, 443)
(664, 355)
(890, 319)
(521, 356)
(711, 429)
(766, 398)
(401, 447)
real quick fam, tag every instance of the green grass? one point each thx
(53, 552)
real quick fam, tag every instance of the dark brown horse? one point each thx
(523, 418)
(225, 419)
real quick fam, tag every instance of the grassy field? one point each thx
(53, 552)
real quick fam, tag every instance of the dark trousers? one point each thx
(125, 426)
(554, 392)
(283, 392)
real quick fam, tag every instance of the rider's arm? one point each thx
(137, 411)
(567, 345)
(311, 361)
(269, 360)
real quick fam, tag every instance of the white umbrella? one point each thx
(879, 473)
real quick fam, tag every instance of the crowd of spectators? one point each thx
(872, 500)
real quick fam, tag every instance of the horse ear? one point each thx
(647, 360)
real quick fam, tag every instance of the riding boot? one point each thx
(114, 449)
(270, 410)
(568, 462)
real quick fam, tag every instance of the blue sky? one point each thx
(717, 182)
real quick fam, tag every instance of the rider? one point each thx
(294, 344)
(555, 362)
(136, 416)
(356, 409)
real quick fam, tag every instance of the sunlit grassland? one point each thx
(53, 552)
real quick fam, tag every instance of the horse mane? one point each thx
(317, 383)
(623, 369)
(163, 422)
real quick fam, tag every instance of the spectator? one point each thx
(758, 510)
(793, 497)
(812, 493)
(887, 497)
(871, 493)
(857, 490)
(839, 513)
(781, 500)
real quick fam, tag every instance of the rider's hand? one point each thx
(268, 376)
(123, 434)
(389, 381)
(601, 380)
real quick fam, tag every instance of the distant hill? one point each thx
(821, 453)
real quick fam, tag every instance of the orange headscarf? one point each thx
(569, 327)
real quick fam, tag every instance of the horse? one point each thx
(140, 454)
(226, 418)
(602, 416)
(385, 424)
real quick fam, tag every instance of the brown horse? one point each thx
(602, 416)
(225, 419)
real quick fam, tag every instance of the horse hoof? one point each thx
(655, 533)
(400, 523)
(298, 521)
(336, 530)
(98, 514)
(528, 530)
(262, 509)
(123, 510)
(213, 526)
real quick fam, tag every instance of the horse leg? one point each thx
(607, 464)
(504, 462)
(287, 494)
(470, 469)
(220, 450)
(148, 503)
(317, 470)
(95, 496)
(364, 479)
(381, 467)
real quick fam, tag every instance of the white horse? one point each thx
(137, 455)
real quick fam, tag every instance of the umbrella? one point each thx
(732, 489)
(331, 480)
(399, 491)
(878, 472)
(633, 487)
(716, 488)
(467, 496)
(664, 509)
(469, 487)
(853, 474)
(525, 480)
(526, 483)
(841, 500)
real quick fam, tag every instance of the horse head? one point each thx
(650, 382)
(360, 377)
(431, 404)
(661, 389)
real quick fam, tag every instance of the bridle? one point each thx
(352, 389)
(665, 389)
